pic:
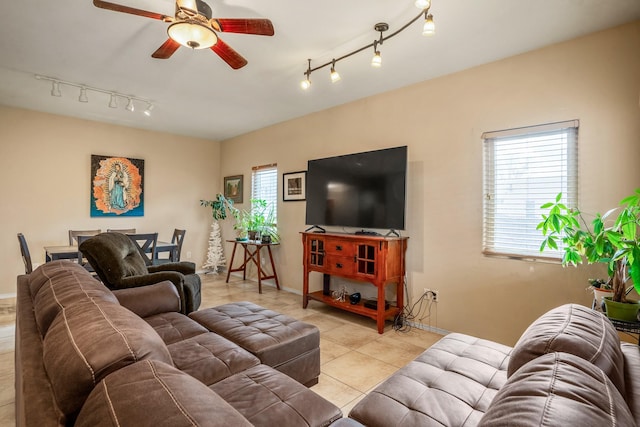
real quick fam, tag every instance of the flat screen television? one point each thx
(363, 190)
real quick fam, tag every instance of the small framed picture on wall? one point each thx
(294, 186)
(233, 186)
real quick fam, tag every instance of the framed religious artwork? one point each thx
(117, 186)
(233, 186)
(294, 186)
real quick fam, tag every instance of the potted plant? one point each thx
(613, 239)
(259, 221)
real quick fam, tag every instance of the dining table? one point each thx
(53, 253)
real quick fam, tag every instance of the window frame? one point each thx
(552, 144)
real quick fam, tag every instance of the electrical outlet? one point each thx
(435, 296)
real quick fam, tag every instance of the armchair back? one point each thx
(113, 256)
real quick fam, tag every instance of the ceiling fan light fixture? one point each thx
(192, 34)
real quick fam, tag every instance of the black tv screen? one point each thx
(364, 190)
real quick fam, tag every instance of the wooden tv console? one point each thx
(375, 259)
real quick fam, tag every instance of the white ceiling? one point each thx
(197, 94)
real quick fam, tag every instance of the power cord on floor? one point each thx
(403, 320)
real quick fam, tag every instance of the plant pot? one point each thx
(252, 235)
(625, 311)
(598, 297)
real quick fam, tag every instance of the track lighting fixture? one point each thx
(83, 95)
(429, 28)
(376, 61)
(55, 89)
(335, 76)
(306, 83)
(113, 96)
(147, 112)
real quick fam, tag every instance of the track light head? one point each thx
(306, 83)
(423, 4)
(113, 101)
(147, 112)
(429, 28)
(130, 106)
(55, 89)
(83, 95)
(335, 76)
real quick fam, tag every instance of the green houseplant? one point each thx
(259, 219)
(612, 239)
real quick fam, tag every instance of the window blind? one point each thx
(523, 169)
(264, 185)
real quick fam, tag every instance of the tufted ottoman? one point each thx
(282, 342)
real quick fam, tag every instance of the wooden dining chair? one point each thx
(174, 256)
(122, 230)
(26, 256)
(73, 235)
(146, 244)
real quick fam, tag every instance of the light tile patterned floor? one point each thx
(354, 357)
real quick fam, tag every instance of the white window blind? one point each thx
(264, 185)
(523, 169)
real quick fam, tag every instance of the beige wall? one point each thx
(45, 171)
(595, 79)
(44, 166)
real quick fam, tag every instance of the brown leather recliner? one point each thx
(116, 260)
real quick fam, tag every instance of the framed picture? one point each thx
(117, 185)
(294, 186)
(233, 186)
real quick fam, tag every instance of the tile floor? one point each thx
(354, 357)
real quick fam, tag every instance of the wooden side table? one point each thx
(252, 250)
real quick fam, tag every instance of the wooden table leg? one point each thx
(273, 267)
(233, 254)
(259, 264)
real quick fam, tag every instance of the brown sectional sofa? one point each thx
(88, 356)
(84, 359)
(567, 369)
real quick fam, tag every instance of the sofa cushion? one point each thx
(151, 393)
(57, 285)
(210, 357)
(174, 327)
(89, 340)
(267, 398)
(260, 330)
(451, 384)
(631, 353)
(575, 329)
(558, 389)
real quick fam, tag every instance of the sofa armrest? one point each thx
(184, 267)
(148, 300)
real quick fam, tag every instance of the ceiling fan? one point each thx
(193, 26)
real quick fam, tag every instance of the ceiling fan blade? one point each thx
(126, 9)
(260, 27)
(166, 50)
(228, 55)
